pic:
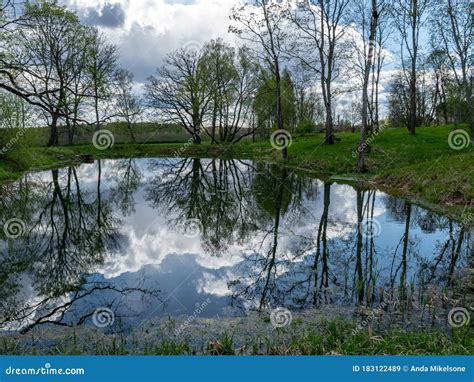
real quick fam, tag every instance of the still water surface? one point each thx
(150, 238)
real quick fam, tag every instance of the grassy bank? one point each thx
(332, 337)
(423, 167)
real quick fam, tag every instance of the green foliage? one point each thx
(305, 127)
(230, 73)
(336, 337)
(167, 347)
(15, 135)
(48, 9)
(265, 103)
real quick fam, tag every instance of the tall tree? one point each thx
(456, 32)
(409, 18)
(180, 91)
(129, 106)
(367, 67)
(321, 27)
(262, 23)
(45, 49)
(102, 65)
(264, 105)
(232, 76)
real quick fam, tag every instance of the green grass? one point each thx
(422, 167)
(332, 337)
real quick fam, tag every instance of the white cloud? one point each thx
(154, 28)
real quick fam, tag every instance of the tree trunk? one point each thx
(365, 91)
(470, 106)
(96, 108)
(413, 108)
(406, 241)
(360, 276)
(329, 122)
(132, 135)
(284, 152)
(53, 138)
(197, 135)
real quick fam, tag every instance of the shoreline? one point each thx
(426, 172)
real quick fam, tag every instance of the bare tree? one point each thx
(102, 65)
(232, 75)
(129, 105)
(43, 61)
(321, 26)
(383, 34)
(309, 108)
(409, 18)
(180, 92)
(456, 34)
(262, 23)
(369, 48)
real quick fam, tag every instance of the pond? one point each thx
(122, 243)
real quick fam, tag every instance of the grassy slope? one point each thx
(422, 166)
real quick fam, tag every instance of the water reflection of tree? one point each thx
(261, 208)
(128, 176)
(317, 268)
(65, 240)
(449, 256)
(215, 192)
(274, 189)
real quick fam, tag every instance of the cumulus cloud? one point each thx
(110, 15)
(146, 31)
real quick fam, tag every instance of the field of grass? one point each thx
(422, 167)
